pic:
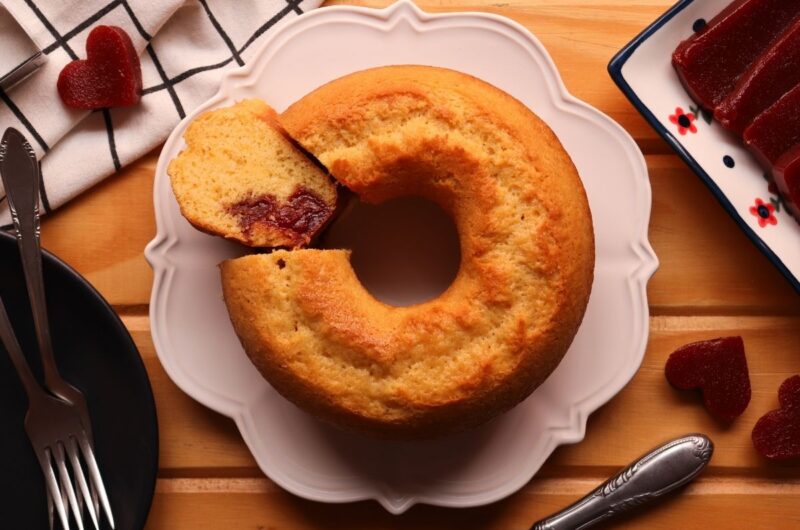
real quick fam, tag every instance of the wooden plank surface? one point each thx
(712, 282)
(724, 503)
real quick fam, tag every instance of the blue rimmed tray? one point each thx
(644, 72)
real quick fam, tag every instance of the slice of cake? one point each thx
(242, 178)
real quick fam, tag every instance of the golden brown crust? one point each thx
(527, 259)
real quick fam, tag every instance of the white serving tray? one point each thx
(643, 70)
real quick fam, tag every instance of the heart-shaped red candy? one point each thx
(777, 434)
(719, 368)
(111, 75)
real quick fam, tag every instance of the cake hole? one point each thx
(405, 251)
(281, 264)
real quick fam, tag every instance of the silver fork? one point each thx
(55, 430)
(19, 171)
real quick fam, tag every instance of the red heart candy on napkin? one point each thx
(719, 368)
(777, 434)
(111, 75)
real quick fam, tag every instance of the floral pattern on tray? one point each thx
(643, 70)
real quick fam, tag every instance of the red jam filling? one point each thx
(777, 129)
(111, 75)
(719, 368)
(787, 178)
(777, 434)
(711, 61)
(769, 77)
(303, 213)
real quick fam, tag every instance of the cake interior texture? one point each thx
(242, 178)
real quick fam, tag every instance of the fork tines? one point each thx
(62, 494)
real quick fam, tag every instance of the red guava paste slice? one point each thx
(769, 77)
(711, 61)
(777, 433)
(776, 130)
(111, 75)
(719, 368)
(787, 177)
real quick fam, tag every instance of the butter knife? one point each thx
(21, 56)
(658, 472)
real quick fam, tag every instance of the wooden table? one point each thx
(712, 282)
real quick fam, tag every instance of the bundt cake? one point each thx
(527, 257)
(242, 178)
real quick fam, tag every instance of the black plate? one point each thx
(96, 354)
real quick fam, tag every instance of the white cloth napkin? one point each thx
(185, 46)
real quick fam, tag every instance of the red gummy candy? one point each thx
(777, 434)
(111, 75)
(719, 368)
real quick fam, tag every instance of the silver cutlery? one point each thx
(21, 56)
(658, 472)
(55, 430)
(19, 171)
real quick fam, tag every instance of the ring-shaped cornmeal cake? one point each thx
(527, 259)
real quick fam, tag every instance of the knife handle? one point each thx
(19, 170)
(658, 472)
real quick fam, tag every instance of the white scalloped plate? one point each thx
(200, 352)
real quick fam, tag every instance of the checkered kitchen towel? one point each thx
(185, 46)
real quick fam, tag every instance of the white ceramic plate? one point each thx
(643, 70)
(200, 352)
